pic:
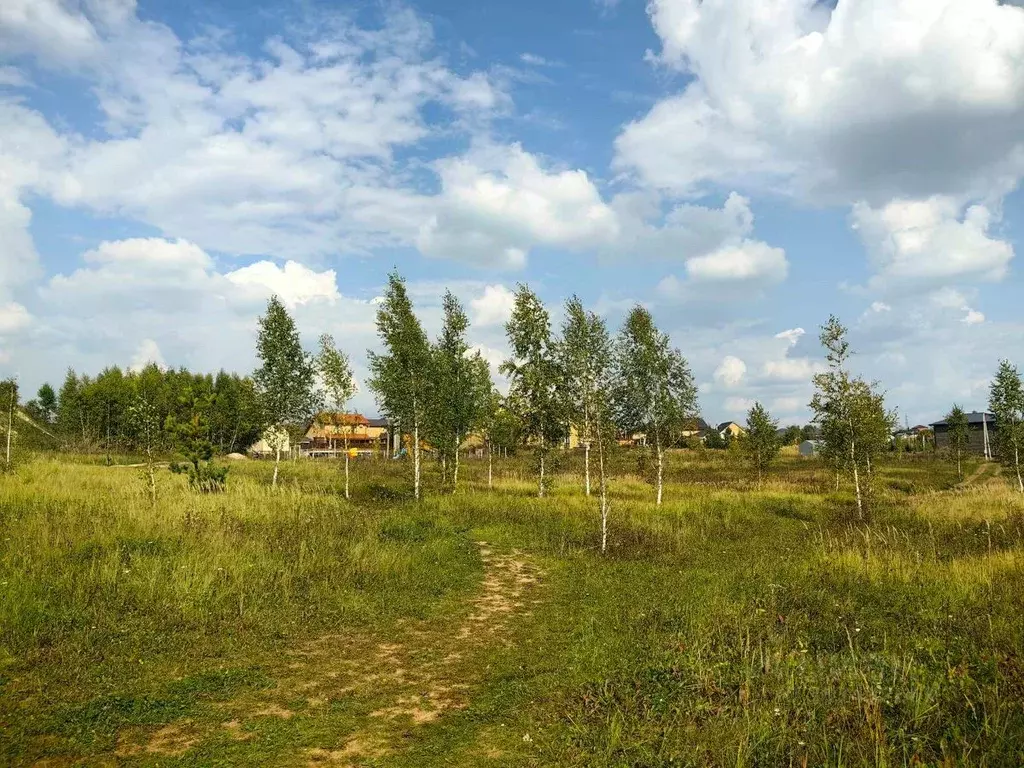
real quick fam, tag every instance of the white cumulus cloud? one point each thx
(730, 371)
(293, 282)
(494, 306)
(931, 241)
(874, 99)
(498, 203)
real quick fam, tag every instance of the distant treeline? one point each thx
(96, 412)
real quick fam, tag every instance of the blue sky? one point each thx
(742, 169)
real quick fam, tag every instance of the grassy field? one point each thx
(733, 626)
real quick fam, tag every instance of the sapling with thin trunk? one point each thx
(400, 376)
(285, 378)
(339, 387)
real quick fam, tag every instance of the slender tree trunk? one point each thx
(869, 465)
(540, 484)
(152, 473)
(490, 465)
(416, 459)
(346, 468)
(10, 427)
(234, 435)
(1016, 464)
(455, 470)
(661, 466)
(277, 465)
(586, 466)
(856, 481)
(604, 493)
(959, 469)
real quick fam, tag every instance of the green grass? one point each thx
(732, 626)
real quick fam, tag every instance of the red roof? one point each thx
(342, 419)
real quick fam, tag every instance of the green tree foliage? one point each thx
(460, 388)
(43, 408)
(400, 377)
(535, 376)
(285, 378)
(654, 391)
(714, 440)
(71, 410)
(761, 444)
(505, 430)
(235, 415)
(959, 435)
(87, 406)
(873, 424)
(191, 438)
(586, 366)
(1006, 401)
(339, 387)
(850, 412)
(489, 419)
(791, 436)
(146, 434)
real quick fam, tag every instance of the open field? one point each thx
(733, 626)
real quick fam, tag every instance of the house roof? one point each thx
(974, 417)
(378, 423)
(697, 424)
(341, 419)
(725, 424)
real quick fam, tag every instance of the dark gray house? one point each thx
(981, 427)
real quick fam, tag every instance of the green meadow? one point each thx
(733, 626)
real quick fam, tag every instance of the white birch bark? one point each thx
(661, 466)
(586, 466)
(455, 472)
(540, 485)
(10, 427)
(856, 480)
(277, 465)
(490, 465)
(346, 468)
(604, 495)
(1017, 464)
(416, 458)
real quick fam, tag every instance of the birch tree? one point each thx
(400, 377)
(851, 413)
(761, 443)
(285, 378)
(873, 424)
(1006, 401)
(654, 390)
(959, 435)
(9, 399)
(147, 435)
(339, 387)
(586, 355)
(489, 425)
(833, 403)
(460, 388)
(535, 376)
(587, 367)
